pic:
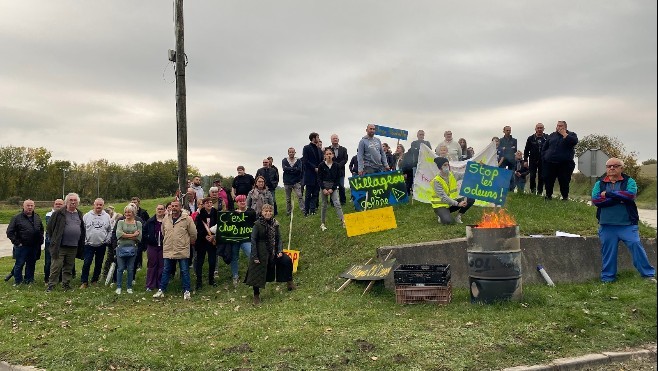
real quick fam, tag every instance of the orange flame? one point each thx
(498, 218)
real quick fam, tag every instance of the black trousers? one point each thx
(536, 172)
(561, 171)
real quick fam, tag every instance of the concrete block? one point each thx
(566, 259)
(576, 363)
(619, 356)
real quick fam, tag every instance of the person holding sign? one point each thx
(445, 199)
(329, 177)
(267, 260)
(245, 246)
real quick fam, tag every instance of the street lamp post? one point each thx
(98, 183)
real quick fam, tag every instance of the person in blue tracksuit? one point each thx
(614, 196)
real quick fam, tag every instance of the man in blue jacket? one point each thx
(614, 196)
(558, 153)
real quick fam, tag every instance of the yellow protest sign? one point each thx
(294, 256)
(370, 221)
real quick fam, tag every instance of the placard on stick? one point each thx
(294, 256)
(378, 190)
(369, 272)
(370, 221)
(486, 183)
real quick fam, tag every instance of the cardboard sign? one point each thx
(391, 132)
(370, 221)
(486, 183)
(235, 226)
(382, 189)
(294, 256)
(369, 272)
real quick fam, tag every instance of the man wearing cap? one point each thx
(446, 199)
(614, 197)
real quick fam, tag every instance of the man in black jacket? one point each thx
(558, 153)
(340, 159)
(25, 231)
(532, 154)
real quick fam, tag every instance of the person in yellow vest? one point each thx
(446, 199)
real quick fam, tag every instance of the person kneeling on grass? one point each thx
(267, 259)
(445, 199)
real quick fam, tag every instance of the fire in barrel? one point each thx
(494, 258)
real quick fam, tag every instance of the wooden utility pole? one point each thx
(181, 94)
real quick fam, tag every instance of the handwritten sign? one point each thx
(235, 226)
(383, 189)
(370, 221)
(369, 272)
(486, 183)
(391, 132)
(294, 256)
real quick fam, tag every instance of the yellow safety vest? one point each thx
(451, 190)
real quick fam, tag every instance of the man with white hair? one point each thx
(66, 229)
(25, 231)
(98, 232)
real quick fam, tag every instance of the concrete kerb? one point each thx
(589, 360)
(4, 366)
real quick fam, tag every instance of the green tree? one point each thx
(650, 161)
(613, 147)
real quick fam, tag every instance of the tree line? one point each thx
(27, 172)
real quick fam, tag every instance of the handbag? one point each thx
(225, 251)
(126, 251)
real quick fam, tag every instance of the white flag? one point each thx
(426, 169)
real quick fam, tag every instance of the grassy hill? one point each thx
(316, 328)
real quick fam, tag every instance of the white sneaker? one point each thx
(118, 291)
(323, 227)
(458, 219)
(187, 295)
(159, 294)
(130, 291)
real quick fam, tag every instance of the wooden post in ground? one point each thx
(181, 94)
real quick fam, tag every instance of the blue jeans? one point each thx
(235, 257)
(169, 266)
(92, 252)
(610, 235)
(25, 257)
(127, 263)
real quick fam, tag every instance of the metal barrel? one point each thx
(494, 264)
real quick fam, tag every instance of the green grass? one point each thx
(316, 328)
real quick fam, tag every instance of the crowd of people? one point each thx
(184, 230)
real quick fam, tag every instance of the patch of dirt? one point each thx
(242, 348)
(364, 346)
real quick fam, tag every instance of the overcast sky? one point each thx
(91, 79)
